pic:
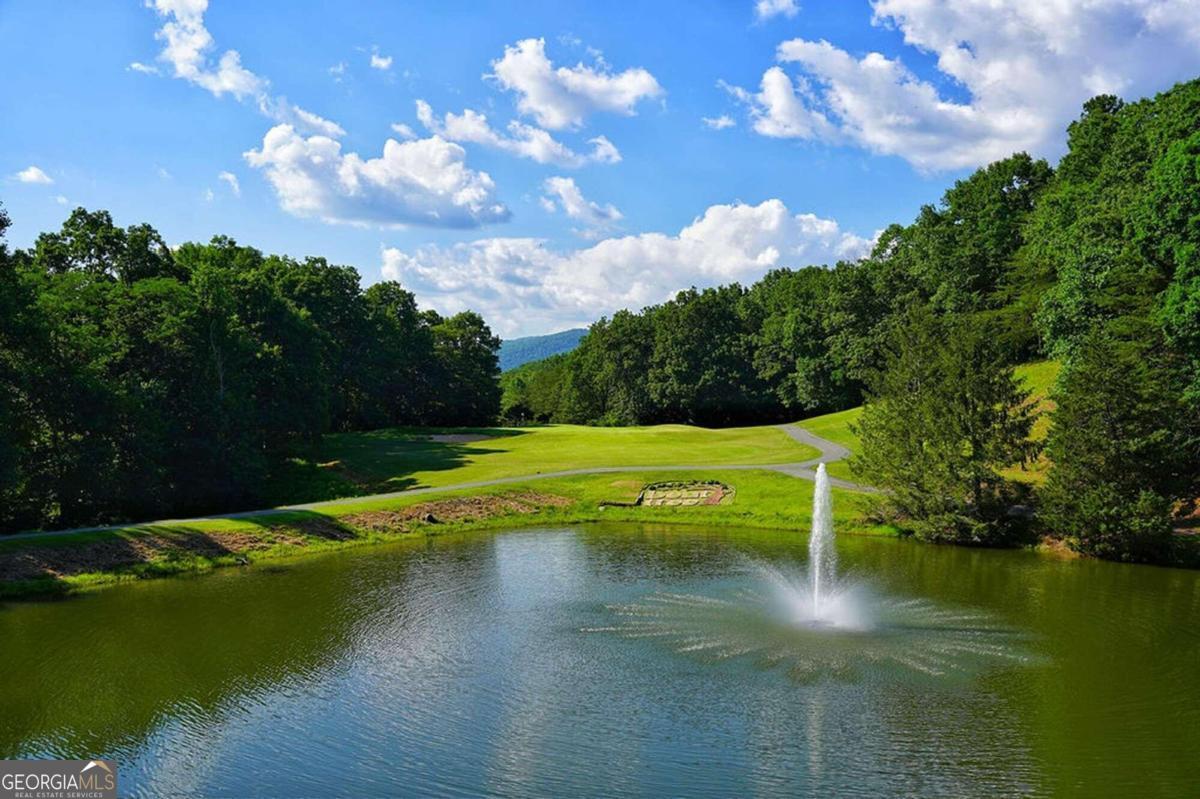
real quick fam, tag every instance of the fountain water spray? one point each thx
(822, 624)
(822, 557)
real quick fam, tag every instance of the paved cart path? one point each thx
(804, 470)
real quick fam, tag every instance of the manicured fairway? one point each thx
(398, 459)
(356, 464)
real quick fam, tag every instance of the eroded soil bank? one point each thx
(156, 549)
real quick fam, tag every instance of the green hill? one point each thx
(517, 351)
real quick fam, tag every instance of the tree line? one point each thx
(139, 381)
(1095, 262)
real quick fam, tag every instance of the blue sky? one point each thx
(563, 166)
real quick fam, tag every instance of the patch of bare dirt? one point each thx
(115, 552)
(1058, 548)
(461, 509)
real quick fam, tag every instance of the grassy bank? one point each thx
(80, 561)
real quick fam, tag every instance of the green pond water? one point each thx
(617, 660)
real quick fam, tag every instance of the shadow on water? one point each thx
(469, 655)
(105, 673)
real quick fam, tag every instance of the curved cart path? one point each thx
(804, 470)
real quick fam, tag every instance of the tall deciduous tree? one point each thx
(469, 368)
(137, 381)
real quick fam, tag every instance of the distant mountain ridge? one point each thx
(517, 351)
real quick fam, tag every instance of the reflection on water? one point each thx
(773, 621)
(471, 665)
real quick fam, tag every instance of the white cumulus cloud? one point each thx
(1024, 67)
(421, 182)
(523, 285)
(403, 131)
(779, 109)
(718, 123)
(521, 140)
(765, 9)
(562, 193)
(381, 62)
(188, 49)
(415, 182)
(563, 97)
(33, 174)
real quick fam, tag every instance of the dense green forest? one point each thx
(1095, 262)
(138, 381)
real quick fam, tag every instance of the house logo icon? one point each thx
(58, 779)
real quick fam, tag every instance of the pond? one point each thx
(619, 660)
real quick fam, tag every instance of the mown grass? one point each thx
(1038, 378)
(354, 464)
(763, 499)
(398, 459)
(837, 428)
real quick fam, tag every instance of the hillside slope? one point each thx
(1038, 378)
(517, 351)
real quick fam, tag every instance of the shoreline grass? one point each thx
(763, 499)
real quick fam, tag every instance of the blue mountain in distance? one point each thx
(517, 351)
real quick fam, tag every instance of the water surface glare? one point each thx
(621, 660)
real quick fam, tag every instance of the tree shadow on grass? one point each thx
(300, 527)
(383, 461)
(43, 567)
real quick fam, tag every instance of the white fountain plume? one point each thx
(822, 557)
(820, 625)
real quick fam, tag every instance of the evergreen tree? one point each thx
(944, 416)
(1124, 449)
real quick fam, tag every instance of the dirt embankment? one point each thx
(451, 511)
(164, 545)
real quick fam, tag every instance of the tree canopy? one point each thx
(1095, 262)
(139, 381)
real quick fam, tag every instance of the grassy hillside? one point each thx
(1038, 378)
(353, 464)
(517, 351)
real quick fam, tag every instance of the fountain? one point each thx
(822, 558)
(818, 621)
